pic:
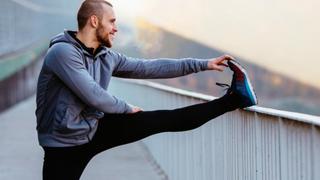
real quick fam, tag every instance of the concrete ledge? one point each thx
(18, 74)
(13, 62)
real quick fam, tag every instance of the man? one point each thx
(77, 118)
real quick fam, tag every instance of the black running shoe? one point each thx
(241, 85)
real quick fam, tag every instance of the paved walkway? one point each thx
(21, 156)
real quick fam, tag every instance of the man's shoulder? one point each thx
(64, 48)
(63, 45)
(62, 53)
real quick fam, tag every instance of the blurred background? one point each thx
(276, 41)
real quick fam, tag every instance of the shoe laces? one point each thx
(225, 86)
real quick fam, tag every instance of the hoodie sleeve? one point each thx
(66, 62)
(128, 67)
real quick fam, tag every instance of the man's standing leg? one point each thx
(65, 163)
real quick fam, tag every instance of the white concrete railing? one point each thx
(256, 144)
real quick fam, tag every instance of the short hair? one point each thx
(89, 8)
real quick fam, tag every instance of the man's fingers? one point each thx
(222, 64)
(136, 109)
(225, 58)
(219, 62)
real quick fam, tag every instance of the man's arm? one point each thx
(164, 67)
(66, 62)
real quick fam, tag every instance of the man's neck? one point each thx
(88, 40)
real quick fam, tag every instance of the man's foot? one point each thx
(241, 85)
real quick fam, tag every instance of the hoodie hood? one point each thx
(67, 38)
(64, 37)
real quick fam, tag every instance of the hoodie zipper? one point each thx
(94, 77)
(90, 129)
(94, 69)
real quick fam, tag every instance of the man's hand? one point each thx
(218, 63)
(135, 109)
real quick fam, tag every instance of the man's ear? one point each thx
(94, 21)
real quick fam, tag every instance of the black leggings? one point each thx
(68, 163)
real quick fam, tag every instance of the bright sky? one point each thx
(282, 35)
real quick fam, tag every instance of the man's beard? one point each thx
(103, 37)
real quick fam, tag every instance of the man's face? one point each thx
(107, 28)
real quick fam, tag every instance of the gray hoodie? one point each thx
(72, 88)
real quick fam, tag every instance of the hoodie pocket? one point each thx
(69, 122)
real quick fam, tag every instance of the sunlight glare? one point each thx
(128, 8)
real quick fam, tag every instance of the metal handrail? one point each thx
(306, 118)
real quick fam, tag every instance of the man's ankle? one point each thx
(232, 100)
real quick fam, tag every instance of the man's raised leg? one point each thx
(117, 129)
